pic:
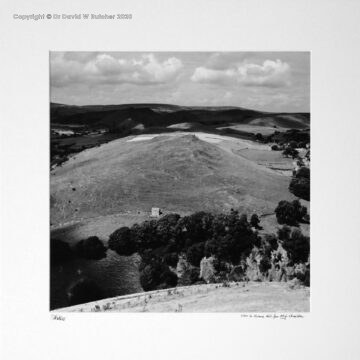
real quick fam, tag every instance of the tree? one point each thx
(272, 241)
(243, 220)
(255, 221)
(197, 227)
(303, 172)
(290, 152)
(91, 248)
(171, 259)
(275, 147)
(300, 187)
(284, 232)
(168, 278)
(150, 276)
(293, 144)
(195, 253)
(300, 210)
(302, 144)
(259, 137)
(156, 274)
(122, 241)
(297, 246)
(290, 213)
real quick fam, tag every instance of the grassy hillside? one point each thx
(236, 297)
(178, 173)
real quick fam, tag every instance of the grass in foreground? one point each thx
(232, 297)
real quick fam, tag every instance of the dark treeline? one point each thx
(228, 239)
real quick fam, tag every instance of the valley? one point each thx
(116, 168)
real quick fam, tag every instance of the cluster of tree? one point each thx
(228, 237)
(290, 152)
(295, 243)
(291, 213)
(300, 184)
(297, 138)
(91, 248)
(276, 147)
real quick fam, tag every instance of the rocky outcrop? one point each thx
(187, 274)
(275, 266)
(279, 270)
(207, 269)
(252, 264)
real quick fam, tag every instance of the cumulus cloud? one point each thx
(88, 68)
(268, 74)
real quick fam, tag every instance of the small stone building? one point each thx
(155, 212)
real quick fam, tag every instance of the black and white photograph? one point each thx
(155, 180)
(180, 181)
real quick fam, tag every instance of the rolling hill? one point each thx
(122, 160)
(177, 172)
(163, 115)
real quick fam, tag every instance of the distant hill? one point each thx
(163, 115)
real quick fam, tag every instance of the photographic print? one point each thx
(180, 181)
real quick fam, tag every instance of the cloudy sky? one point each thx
(272, 81)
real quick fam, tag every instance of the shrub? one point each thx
(275, 148)
(122, 241)
(84, 291)
(255, 221)
(91, 248)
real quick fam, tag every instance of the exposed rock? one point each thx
(279, 270)
(187, 274)
(253, 272)
(207, 269)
